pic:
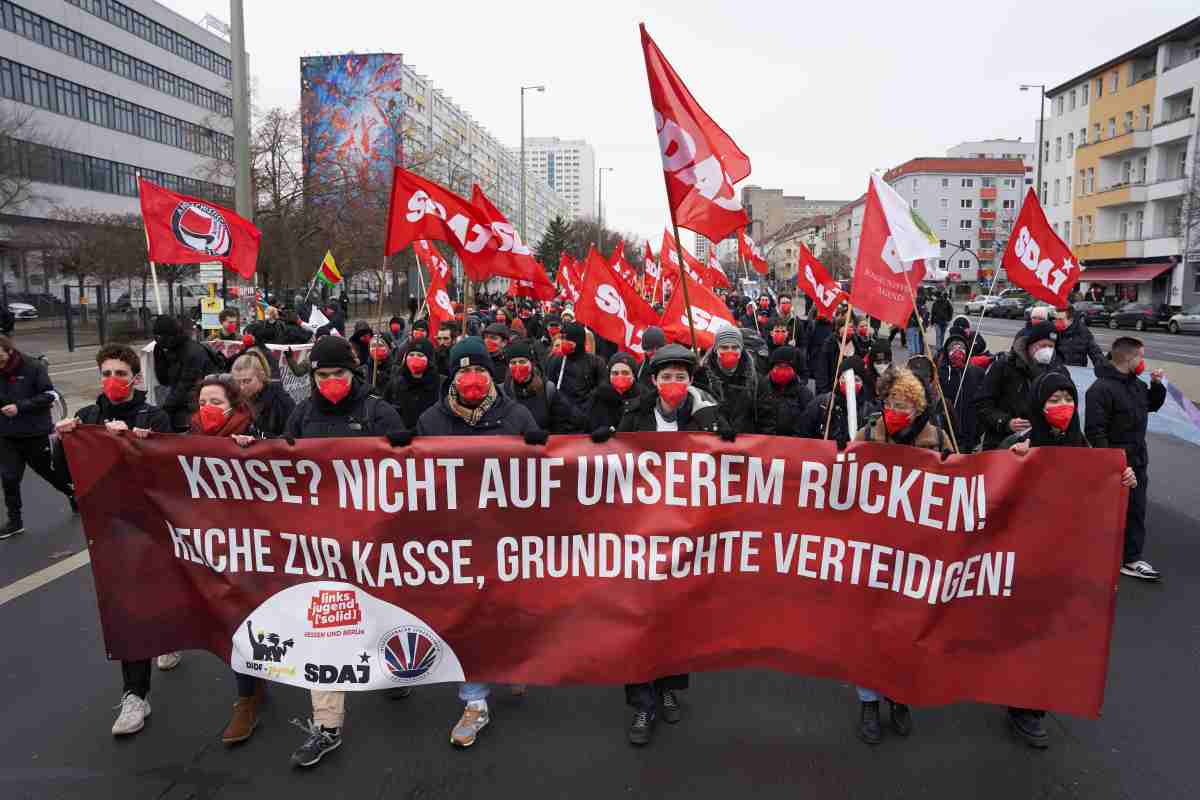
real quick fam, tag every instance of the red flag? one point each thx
(751, 253)
(1036, 259)
(621, 266)
(816, 282)
(513, 258)
(714, 274)
(884, 286)
(567, 279)
(187, 230)
(709, 313)
(700, 162)
(670, 254)
(437, 299)
(613, 308)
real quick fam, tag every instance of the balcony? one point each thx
(985, 214)
(1127, 142)
(1167, 188)
(1173, 130)
(1098, 249)
(986, 255)
(1121, 193)
(987, 193)
(986, 235)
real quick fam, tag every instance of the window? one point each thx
(941, 263)
(1082, 137)
(1070, 144)
(943, 223)
(1139, 218)
(1058, 106)
(144, 28)
(964, 243)
(1083, 94)
(966, 203)
(1126, 171)
(968, 183)
(1112, 127)
(1096, 132)
(1045, 190)
(1066, 234)
(915, 203)
(1008, 205)
(1088, 222)
(1114, 78)
(965, 224)
(1058, 148)
(1079, 229)
(1123, 226)
(987, 183)
(945, 202)
(1057, 190)
(1099, 88)
(1128, 121)
(1071, 104)
(916, 185)
(1140, 175)
(1046, 151)
(1010, 183)
(964, 263)
(1091, 180)
(945, 183)
(986, 205)
(1067, 192)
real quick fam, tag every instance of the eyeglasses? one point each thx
(219, 376)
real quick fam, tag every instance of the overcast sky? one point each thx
(817, 95)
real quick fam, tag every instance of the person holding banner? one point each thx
(339, 405)
(960, 380)
(575, 371)
(472, 406)
(120, 407)
(610, 401)
(813, 421)
(788, 391)
(1003, 403)
(416, 382)
(729, 373)
(674, 405)
(527, 386)
(270, 404)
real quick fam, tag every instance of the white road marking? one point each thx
(40, 578)
(56, 373)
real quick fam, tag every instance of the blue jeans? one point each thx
(473, 691)
(916, 345)
(941, 334)
(867, 695)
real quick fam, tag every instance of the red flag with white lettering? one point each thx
(513, 258)
(437, 299)
(816, 282)
(709, 313)
(567, 278)
(714, 274)
(612, 308)
(751, 253)
(189, 230)
(421, 209)
(670, 264)
(1036, 259)
(621, 266)
(884, 285)
(701, 163)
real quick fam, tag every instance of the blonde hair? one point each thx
(252, 361)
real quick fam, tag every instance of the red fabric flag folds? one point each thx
(187, 230)
(1036, 259)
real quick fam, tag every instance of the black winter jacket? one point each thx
(549, 407)
(134, 412)
(812, 422)
(966, 419)
(272, 409)
(359, 414)
(1077, 344)
(506, 417)
(697, 412)
(180, 369)
(608, 407)
(28, 387)
(583, 373)
(942, 311)
(827, 361)
(1006, 392)
(744, 396)
(791, 401)
(1118, 408)
(412, 396)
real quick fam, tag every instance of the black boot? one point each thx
(901, 718)
(13, 527)
(1027, 723)
(641, 730)
(868, 724)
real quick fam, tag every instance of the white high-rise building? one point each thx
(566, 165)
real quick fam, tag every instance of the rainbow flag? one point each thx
(328, 272)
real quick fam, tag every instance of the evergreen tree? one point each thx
(549, 250)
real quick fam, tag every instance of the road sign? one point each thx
(210, 310)
(211, 273)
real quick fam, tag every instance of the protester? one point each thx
(395, 329)
(828, 359)
(380, 364)
(230, 321)
(361, 340)
(916, 341)
(789, 394)
(653, 339)
(1003, 403)
(270, 404)
(978, 344)
(675, 404)
(940, 315)
(907, 409)
(960, 381)
(1076, 343)
(730, 374)
(446, 334)
(339, 406)
(527, 385)
(179, 364)
(120, 407)
(472, 406)
(293, 332)
(575, 371)
(879, 361)
(820, 332)
(496, 337)
(813, 422)
(1118, 409)
(416, 383)
(610, 400)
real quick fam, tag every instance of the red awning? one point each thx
(1126, 273)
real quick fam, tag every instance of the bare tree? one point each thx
(18, 130)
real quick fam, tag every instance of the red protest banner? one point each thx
(499, 561)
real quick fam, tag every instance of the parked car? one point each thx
(977, 305)
(1091, 313)
(23, 311)
(1139, 316)
(1007, 308)
(1186, 320)
(362, 296)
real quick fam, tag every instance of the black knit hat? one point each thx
(521, 348)
(880, 347)
(653, 338)
(623, 358)
(1039, 332)
(421, 325)
(470, 352)
(498, 329)
(166, 325)
(330, 352)
(785, 354)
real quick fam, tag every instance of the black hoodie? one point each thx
(1041, 434)
(358, 414)
(411, 395)
(1006, 391)
(579, 374)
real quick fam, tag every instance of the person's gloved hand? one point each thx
(400, 438)
(537, 437)
(602, 435)
(727, 434)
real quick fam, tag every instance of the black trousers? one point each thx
(1135, 517)
(246, 684)
(645, 696)
(17, 452)
(136, 677)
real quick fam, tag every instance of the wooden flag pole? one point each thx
(937, 384)
(836, 372)
(687, 300)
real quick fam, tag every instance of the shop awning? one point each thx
(1124, 273)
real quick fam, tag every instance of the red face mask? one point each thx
(568, 347)
(778, 337)
(116, 389)
(1140, 368)
(417, 363)
(520, 372)
(1060, 325)
(622, 383)
(864, 330)
(231, 327)
(764, 303)
(472, 386)
(895, 421)
(211, 419)
(247, 341)
(417, 333)
(841, 387)
(334, 389)
(763, 319)
(782, 374)
(553, 330)
(395, 326)
(500, 318)
(379, 353)
(728, 359)
(785, 308)
(1060, 416)
(492, 345)
(557, 349)
(958, 358)
(672, 394)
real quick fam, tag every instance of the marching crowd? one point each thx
(511, 366)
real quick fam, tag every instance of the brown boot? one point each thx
(244, 721)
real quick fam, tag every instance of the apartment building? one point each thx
(568, 166)
(1120, 150)
(109, 90)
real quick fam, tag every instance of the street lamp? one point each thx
(1041, 87)
(523, 90)
(600, 206)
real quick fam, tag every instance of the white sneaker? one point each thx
(132, 718)
(474, 719)
(169, 660)
(1140, 570)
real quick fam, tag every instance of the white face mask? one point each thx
(881, 368)
(1044, 356)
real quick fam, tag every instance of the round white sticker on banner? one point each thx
(335, 636)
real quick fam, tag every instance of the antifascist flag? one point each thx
(709, 314)
(701, 163)
(513, 258)
(714, 273)
(751, 253)
(328, 273)
(892, 250)
(814, 280)
(669, 254)
(437, 299)
(187, 230)
(1036, 259)
(612, 307)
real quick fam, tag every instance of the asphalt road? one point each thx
(1183, 348)
(745, 734)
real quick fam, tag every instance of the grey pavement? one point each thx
(745, 734)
